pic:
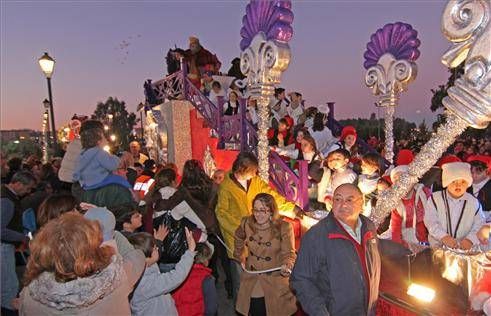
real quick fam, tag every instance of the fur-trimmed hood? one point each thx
(79, 293)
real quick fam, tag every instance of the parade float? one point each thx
(420, 281)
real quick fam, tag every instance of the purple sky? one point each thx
(85, 36)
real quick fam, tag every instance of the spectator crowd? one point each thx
(94, 233)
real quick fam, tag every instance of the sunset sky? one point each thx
(87, 39)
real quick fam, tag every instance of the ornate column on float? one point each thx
(266, 31)
(175, 131)
(466, 23)
(389, 61)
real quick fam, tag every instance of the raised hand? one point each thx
(190, 239)
(161, 233)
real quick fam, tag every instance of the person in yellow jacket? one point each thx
(235, 196)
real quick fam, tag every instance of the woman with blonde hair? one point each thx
(70, 273)
(270, 244)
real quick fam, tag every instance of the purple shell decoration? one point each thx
(273, 18)
(399, 39)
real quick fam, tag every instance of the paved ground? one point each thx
(225, 305)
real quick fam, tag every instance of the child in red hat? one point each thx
(347, 141)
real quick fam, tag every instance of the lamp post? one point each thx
(141, 108)
(48, 131)
(47, 65)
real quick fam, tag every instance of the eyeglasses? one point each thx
(349, 200)
(261, 211)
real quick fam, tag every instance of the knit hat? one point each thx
(398, 169)
(106, 220)
(455, 171)
(348, 130)
(404, 157)
(447, 159)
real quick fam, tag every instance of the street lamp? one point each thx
(47, 65)
(140, 108)
(48, 131)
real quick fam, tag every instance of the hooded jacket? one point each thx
(152, 295)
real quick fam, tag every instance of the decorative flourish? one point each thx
(467, 24)
(265, 55)
(398, 39)
(389, 60)
(273, 18)
(292, 186)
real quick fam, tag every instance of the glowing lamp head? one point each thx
(106, 128)
(47, 65)
(422, 293)
(107, 148)
(112, 137)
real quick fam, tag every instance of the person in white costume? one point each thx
(453, 216)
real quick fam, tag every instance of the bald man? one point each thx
(135, 149)
(338, 267)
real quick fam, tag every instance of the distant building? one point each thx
(20, 135)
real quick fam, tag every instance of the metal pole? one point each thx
(53, 129)
(141, 124)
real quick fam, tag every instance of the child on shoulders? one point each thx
(95, 167)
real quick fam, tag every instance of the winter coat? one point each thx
(334, 274)
(11, 217)
(70, 161)
(151, 296)
(235, 202)
(407, 220)
(94, 165)
(460, 222)
(265, 250)
(204, 209)
(190, 297)
(104, 293)
(484, 197)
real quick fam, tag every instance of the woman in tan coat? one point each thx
(264, 241)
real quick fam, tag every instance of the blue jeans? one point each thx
(10, 283)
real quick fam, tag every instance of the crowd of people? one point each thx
(102, 234)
